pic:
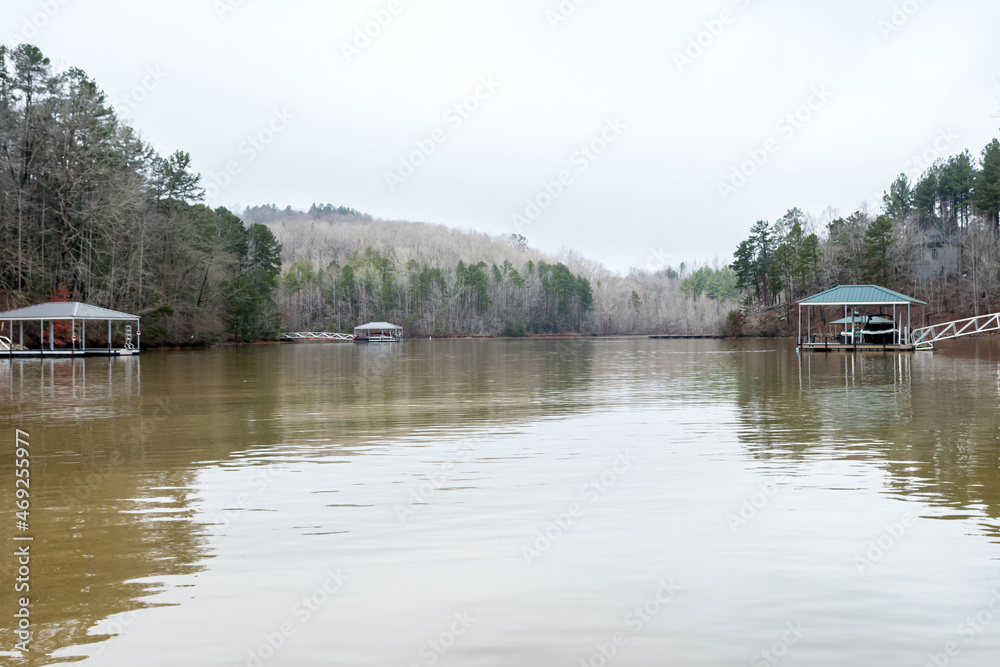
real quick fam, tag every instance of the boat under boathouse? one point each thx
(61, 331)
(874, 318)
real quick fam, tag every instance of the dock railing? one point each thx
(925, 337)
(318, 335)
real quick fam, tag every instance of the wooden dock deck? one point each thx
(841, 347)
(68, 354)
(687, 336)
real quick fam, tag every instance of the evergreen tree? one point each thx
(986, 195)
(251, 311)
(760, 234)
(925, 194)
(955, 186)
(878, 241)
(807, 264)
(898, 201)
(744, 267)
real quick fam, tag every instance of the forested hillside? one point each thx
(344, 268)
(937, 239)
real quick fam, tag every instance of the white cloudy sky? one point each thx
(206, 75)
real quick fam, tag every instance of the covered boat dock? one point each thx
(894, 319)
(73, 318)
(378, 332)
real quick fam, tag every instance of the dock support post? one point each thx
(809, 323)
(799, 338)
(109, 336)
(52, 335)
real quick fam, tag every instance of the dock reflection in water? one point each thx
(106, 529)
(510, 502)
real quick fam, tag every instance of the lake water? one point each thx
(495, 503)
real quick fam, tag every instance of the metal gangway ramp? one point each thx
(317, 335)
(925, 337)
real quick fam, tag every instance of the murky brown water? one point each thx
(615, 502)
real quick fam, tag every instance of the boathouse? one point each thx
(874, 318)
(378, 332)
(118, 332)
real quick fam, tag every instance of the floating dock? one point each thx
(67, 354)
(842, 347)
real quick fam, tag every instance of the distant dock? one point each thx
(687, 336)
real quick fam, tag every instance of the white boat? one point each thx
(869, 329)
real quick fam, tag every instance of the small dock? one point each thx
(59, 330)
(861, 328)
(892, 335)
(373, 332)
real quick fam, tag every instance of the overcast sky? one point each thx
(643, 132)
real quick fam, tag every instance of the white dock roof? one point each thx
(66, 310)
(377, 326)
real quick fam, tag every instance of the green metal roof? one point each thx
(859, 295)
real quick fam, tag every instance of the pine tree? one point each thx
(986, 195)
(878, 241)
(898, 201)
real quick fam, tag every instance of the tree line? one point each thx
(469, 298)
(937, 239)
(436, 280)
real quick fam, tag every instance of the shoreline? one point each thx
(469, 337)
